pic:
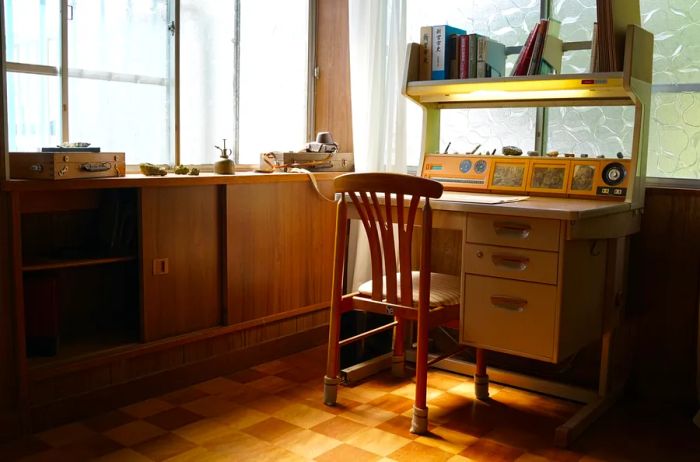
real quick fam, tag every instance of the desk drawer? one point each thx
(509, 316)
(507, 262)
(528, 233)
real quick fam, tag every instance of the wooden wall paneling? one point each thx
(663, 302)
(183, 225)
(333, 104)
(280, 249)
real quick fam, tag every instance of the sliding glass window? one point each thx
(241, 74)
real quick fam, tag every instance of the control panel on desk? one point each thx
(583, 177)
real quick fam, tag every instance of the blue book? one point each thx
(444, 50)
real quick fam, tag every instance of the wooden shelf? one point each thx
(60, 264)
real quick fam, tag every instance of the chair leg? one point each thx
(331, 380)
(398, 358)
(419, 423)
(481, 379)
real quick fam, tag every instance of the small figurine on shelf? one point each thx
(225, 165)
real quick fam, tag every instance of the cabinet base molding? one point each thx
(94, 402)
(10, 425)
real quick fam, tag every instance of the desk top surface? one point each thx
(539, 207)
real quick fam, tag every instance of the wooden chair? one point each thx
(429, 299)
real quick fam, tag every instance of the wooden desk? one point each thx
(542, 278)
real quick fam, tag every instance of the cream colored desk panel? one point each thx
(527, 290)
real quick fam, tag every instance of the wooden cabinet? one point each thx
(79, 273)
(181, 260)
(149, 284)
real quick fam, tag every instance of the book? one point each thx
(550, 60)
(426, 51)
(441, 51)
(473, 53)
(536, 56)
(453, 50)
(593, 67)
(491, 58)
(463, 41)
(522, 60)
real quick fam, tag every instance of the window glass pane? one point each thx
(273, 77)
(32, 31)
(674, 138)
(122, 117)
(206, 78)
(591, 130)
(674, 142)
(118, 90)
(33, 111)
(123, 36)
(507, 21)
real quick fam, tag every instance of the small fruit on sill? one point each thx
(181, 170)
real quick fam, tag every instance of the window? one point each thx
(674, 139)
(241, 73)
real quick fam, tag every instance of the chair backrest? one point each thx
(372, 195)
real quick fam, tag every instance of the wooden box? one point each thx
(314, 161)
(66, 165)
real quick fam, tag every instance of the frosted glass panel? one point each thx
(122, 117)
(273, 77)
(206, 78)
(591, 130)
(507, 21)
(674, 139)
(33, 31)
(491, 128)
(33, 111)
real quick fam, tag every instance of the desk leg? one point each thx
(481, 378)
(609, 390)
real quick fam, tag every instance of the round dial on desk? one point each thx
(480, 166)
(465, 166)
(614, 174)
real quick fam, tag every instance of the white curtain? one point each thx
(377, 33)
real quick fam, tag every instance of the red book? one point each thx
(526, 53)
(523, 61)
(463, 56)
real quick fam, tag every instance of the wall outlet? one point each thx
(160, 266)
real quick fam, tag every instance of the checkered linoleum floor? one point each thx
(273, 412)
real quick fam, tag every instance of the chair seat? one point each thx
(444, 288)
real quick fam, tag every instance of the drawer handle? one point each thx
(508, 303)
(95, 166)
(513, 230)
(510, 262)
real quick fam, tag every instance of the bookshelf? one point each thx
(631, 87)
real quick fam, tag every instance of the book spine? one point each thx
(426, 52)
(527, 57)
(463, 56)
(473, 39)
(481, 51)
(453, 57)
(439, 66)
